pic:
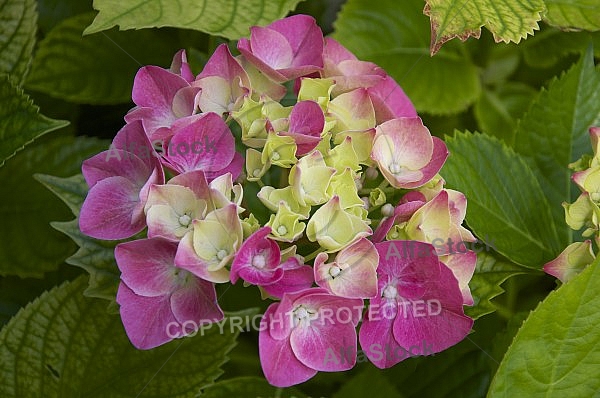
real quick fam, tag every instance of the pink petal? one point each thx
(278, 362)
(112, 210)
(194, 180)
(312, 344)
(115, 162)
(234, 167)
(440, 154)
(256, 244)
(180, 66)
(187, 259)
(306, 124)
(436, 319)
(196, 302)
(205, 144)
(223, 64)
(155, 87)
(305, 39)
(293, 281)
(145, 319)
(463, 266)
(335, 53)
(376, 337)
(402, 213)
(390, 101)
(146, 266)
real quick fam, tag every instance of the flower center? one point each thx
(259, 261)
(387, 210)
(185, 220)
(221, 254)
(334, 271)
(390, 292)
(256, 172)
(301, 315)
(282, 230)
(275, 156)
(395, 168)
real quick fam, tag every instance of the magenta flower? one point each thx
(257, 261)
(205, 143)
(159, 300)
(406, 153)
(223, 81)
(286, 49)
(419, 308)
(162, 96)
(303, 331)
(119, 181)
(306, 124)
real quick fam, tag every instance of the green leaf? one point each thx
(28, 245)
(554, 132)
(66, 345)
(248, 387)
(557, 350)
(51, 12)
(489, 274)
(95, 256)
(573, 14)
(96, 69)
(547, 47)
(508, 20)
(506, 206)
(17, 37)
(370, 382)
(228, 18)
(395, 35)
(497, 111)
(20, 121)
(16, 292)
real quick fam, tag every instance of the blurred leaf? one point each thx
(17, 38)
(547, 47)
(28, 245)
(497, 111)
(554, 132)
(66, 345)
(20, 121)
(97, 69)
(16, 292)
(573, 14)
(51, 12)
(489, 274)
(228, 18)
(460, 371)
(395, 35)
(557, 350)
(506, 206)
(369, 382)
(508, 20)
(248, 387)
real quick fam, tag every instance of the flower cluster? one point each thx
(346, 174)
(583, 213)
